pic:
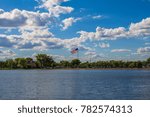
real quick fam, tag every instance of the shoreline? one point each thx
(84, 69)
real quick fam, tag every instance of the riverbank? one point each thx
(84, 69)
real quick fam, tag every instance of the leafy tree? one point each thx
(65, 64)
(30, 63)
(132, 65)
(3, 64)
(148, 60)
(75, 63)
(139, 64)
(45, 61)
(85, 65)
(21, 63)
(10, 63)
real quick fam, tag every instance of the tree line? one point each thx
(44, 61)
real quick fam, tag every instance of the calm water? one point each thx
(75, 84)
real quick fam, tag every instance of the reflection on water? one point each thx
(75, 84)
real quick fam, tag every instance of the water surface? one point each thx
(75, 84)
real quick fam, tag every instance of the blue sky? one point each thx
(101, 29)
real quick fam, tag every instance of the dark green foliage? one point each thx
(75, 63)
(47, 62)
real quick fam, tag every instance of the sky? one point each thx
(101, 29)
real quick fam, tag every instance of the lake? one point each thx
(75, 84)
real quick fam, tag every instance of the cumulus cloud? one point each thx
(18, 18)
(92, 55)
(120, 50)
(143, 50)
(84, 48)
(68, 22)
(29, 19)
(105, 34)
(54, 7)
(58, 57)
(38, 39)
(99, 34)
(7, 53)
(141, 28)
(89, 53)
(104, 45)
(7, 41)
(42, 44)
(36, 33)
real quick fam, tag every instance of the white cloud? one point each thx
(104, 45)
(92, 55)
(50, 41)
(7, 53)
(143, 50)
(7, 41)
(120, 50)
(84, 48)
(30, 19)
(105, 34)
(36, 33)
(68, 22)
(57, 57)
(97, 17)
(141, 28)
(54, 8)
(17, 18)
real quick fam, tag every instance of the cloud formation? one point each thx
(120, 50)
(34, 30)
(143, 50)
(42, 38)
(104, 45)
(54, 7)
(7, 41)
(135, 30)
(141, 28)
(105, 34)
(7, 53)
(18, 18)
(68, 22)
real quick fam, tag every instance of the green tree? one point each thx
(148, 60)
(3, 65)
(75, 63)
(85, 65)
(132, 65)
(21, 63)
(30, 63)
(45, 61)
(65, 64)
(139, 64)
(10, 63)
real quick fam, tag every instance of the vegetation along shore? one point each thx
(43, 61)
